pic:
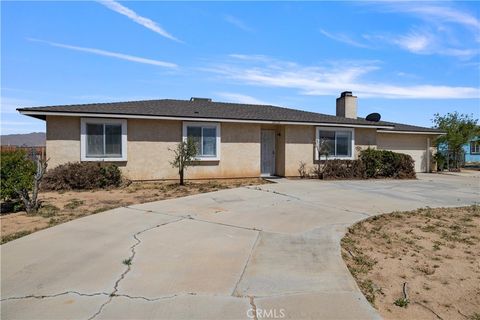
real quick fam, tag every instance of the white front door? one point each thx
(268, 152)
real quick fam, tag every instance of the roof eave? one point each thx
(42, 115)
(412, 132)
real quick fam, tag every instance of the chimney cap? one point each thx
(200, 99)
(346, 94)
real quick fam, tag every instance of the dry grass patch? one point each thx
(58, 207)
(435, 251)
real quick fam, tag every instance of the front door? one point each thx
(268, 152)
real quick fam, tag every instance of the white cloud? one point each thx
(132, 15)
(340, 37)
(445, 14)
(415, 42)
(425, 42)
(240, 98)
(332, 78)
(237, 23)
(109, 54)
(445, 29)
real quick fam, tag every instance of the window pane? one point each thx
(94, 140)
(113, 140)
(327, 143)
(209, 141)
(344, 140)
(195, 133)
(475, 147)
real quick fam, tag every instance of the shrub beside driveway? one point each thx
(436, 252)
(62, 206)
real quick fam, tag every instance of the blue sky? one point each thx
(406, 60)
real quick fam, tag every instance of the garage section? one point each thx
(414, 145)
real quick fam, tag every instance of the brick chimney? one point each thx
(347, 105)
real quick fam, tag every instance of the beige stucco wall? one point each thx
(63, 140)
(149, 141)
(364, 138)
(413, 144)
(299, 147)
(240, 154)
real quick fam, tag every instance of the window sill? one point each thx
(336, 158)
(118, 159)
(207, 159)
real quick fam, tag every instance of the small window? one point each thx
(475, 147)
(206, 137)
(336, 143)
(103, 140)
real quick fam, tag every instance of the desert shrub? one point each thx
(81, 176)
(343, 169)
(387, 164)
(302, 170)
(48, 210)
(17, 172)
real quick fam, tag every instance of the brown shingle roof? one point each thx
(205, 109)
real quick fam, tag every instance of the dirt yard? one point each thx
(59, 207)
(435, 251)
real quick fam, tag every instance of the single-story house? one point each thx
(234, 140)
(472, 151)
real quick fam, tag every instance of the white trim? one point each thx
(410, 132)
(204, 124)
(105, 115)
(83, 138)
(317, 138)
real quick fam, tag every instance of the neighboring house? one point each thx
(472, 151)
(235, 140)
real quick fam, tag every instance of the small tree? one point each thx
(322, 149)
(20, 178)
(459, 128)
(185, 153)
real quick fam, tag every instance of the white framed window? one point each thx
(475, 147)
(103, 139)
(206, 136)
(339, 143)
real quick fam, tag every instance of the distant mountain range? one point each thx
(34, 139)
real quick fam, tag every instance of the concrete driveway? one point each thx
(222, 255)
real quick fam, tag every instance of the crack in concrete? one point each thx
(254, 307)
(46, 296)
(223, 224)
(152, 211)
(234, 292)
(310, 203)
(274, 192)
(129, 266)
(190, 217)
(157, 298)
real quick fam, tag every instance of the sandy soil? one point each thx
(59, 207)
(435, 251)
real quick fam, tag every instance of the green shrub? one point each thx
(16, 173)
(401, 302)
(441, 160)
(387, 164)
(82, 176)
